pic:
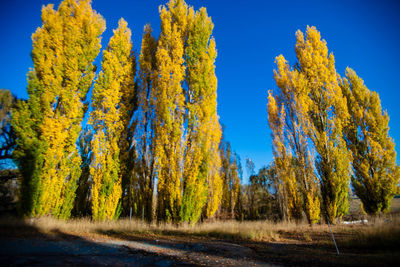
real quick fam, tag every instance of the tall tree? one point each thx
(201, 158)
(326, 113)
(48, 125)
(289, 98)
(231, 187)
(169, 108)
(252, 188)
(284, 161)
(376, 173)
(111, 102)
(213, 165)
(143, 184)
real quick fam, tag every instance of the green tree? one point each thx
(47, 126)
(231, 204)
(376, 173)
(260, 203)
(252, 188)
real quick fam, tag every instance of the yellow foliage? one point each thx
(326, 115)
(64, 49)
(141, 184)
(169, 108)
(201, 157)
(111, 97)
(374, 158)
(213, 178)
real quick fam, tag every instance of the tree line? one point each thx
(152, 129)
(328, 131)
(153, 145)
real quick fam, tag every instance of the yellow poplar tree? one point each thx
(326, 113)
(169, 108)
(185, 125)
(48, 125)
(201, 180)
(112, 95)
(127, 143)
(283, 159)
(144, 182)
(376, 173)
(214, 181)
(289, 97)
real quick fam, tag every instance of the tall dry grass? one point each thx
(380, 233)
(232, 230)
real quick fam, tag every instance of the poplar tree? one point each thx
(144, 182)
(376, 173)
(289, 98)
(82, 199)
(229, 174)
(284, 162)
(201, 158)
(326, 115)
(186, 130)
(48, 124)
(253, 212)
(111, 102)
(214, 181)
(169, 109)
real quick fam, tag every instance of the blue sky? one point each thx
(364, 35)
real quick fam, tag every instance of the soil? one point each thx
(100, 251)
(27, 246)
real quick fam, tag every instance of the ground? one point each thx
(118, 249)
(49, 242)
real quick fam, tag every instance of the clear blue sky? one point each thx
(364, 35)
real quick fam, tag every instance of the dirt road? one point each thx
(28, 246)
(103, 252)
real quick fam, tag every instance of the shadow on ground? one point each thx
(208, 252)
(24, 244)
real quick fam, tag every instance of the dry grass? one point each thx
(380, 233)
(232, 230)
